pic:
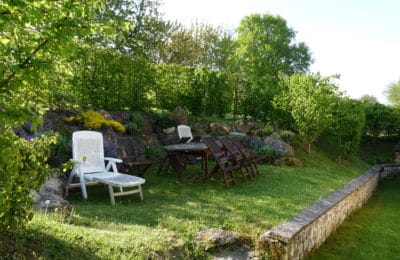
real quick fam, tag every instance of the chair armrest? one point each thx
(110, 159)
(128, 157)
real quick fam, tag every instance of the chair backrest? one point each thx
(185, 133)
(88, 146)
(241, 148)
(215, 150)
(231, 148)
(128, 149)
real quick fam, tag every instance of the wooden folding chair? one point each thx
(223, 164)
(250, 157)
(133, 156)
(245, 169)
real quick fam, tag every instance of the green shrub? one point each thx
(381, 120)
(267, 130)
(268, 153)
(155, 152)
(138, 119)
(200, 91)
(131, 128)
(374, 160)
(348, 127)
(62, 99)
(23, 168)
(136, 125)
(287, 135)
(60, 151)
(163, 120)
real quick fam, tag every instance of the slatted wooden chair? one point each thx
(250, 157)
(133, 156)
(223, 165)
(246, 169)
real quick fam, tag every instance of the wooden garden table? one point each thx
(176, 154)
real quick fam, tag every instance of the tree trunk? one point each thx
(309, 147)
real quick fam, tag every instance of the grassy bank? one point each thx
(372, 232)
(165, 223)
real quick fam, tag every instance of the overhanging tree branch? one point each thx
(24, 63)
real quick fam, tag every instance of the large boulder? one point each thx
(251, 142)
(107, 115)
(200, 128)
(248, 127)
(52, 194)
(281, 148)
(216, 237)
(179, 116)
(219, 128)
(121, 116)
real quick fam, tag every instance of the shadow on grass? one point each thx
(33, 244)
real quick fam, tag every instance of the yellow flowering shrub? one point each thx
(116, 125)
(69, 119)
(94, 120)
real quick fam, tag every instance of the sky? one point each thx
(357, 39)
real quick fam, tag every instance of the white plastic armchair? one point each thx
(184, 132)
(90, 167)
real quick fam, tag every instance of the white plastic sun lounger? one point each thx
(90, 167)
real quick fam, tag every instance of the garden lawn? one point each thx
(165, 223)
(372, 232)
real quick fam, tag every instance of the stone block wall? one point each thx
(389, 170)
(300, 235)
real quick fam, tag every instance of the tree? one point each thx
(348, 126)
(36, 40)
(199, 90)
(139, 28)
(265, 50)
(393, 93)
(381, 120)
(115, 65)
(310, 99)
(182, 48)
(369, 99)
(199, 45)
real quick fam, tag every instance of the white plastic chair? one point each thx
(184, 132)
(90, 167)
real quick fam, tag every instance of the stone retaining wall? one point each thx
(297, 237)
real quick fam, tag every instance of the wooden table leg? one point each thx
(205, 164)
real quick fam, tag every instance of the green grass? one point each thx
(372, 232)
(165, 223)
